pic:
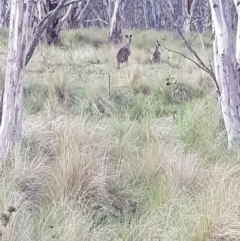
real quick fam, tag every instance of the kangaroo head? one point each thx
(129, 39)
(158, 44)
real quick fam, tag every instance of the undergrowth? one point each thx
(145, 159)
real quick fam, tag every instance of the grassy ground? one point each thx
(148, 162)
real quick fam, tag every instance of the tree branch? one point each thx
(209, 71)
(71, 2)
(209, 61)
(184, 56)
(100, 20)
(83, 10)
(43, 25)
(187, 44)
(67, 14)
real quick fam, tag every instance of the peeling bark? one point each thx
(11, 125)
(226, 69)
(237, 5)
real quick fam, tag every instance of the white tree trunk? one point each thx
(11, 125)
(217, 59)
(227, 70)
(153, 13)
(110, 9)
(186, 17)
(207, 23)
(115, 34)
(31, 10)
(187, 24)
(237, 5)
(188, 6)
(145, 12)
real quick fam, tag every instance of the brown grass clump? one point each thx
(140, 160)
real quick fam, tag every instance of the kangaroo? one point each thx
(157, 53)
(124, 52)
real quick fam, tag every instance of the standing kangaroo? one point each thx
(124, 52)
(157, 53)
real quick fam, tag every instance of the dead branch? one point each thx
(42, 25)
(209, 61)
(200, 63)
(67, 14)
(71, 2)
(98, 18)
(203, 65)
(184, 56)
(83, 10)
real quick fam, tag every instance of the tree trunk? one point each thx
(145, 12)
(110, 9)
(115, 34)
(153, 12)
(4, 13)
(237, 5)
(51, 34)
(207, 17)
(31, 14)
(11, 125)
(158, 15)
(226, 69)
(187, 12)
(186, 23)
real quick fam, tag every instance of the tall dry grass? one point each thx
(147, 162)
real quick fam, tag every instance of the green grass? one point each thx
(147, 161)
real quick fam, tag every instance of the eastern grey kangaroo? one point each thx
(124, 52)
(157, 53)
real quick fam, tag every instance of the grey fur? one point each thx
(157, 53)
(124, 52)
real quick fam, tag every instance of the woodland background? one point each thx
(142, 160)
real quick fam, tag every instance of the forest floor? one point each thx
(144, 161)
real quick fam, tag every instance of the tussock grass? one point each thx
(97, 37)
(145, 160)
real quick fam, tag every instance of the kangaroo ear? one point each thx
(126, 36)
(130, 35)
